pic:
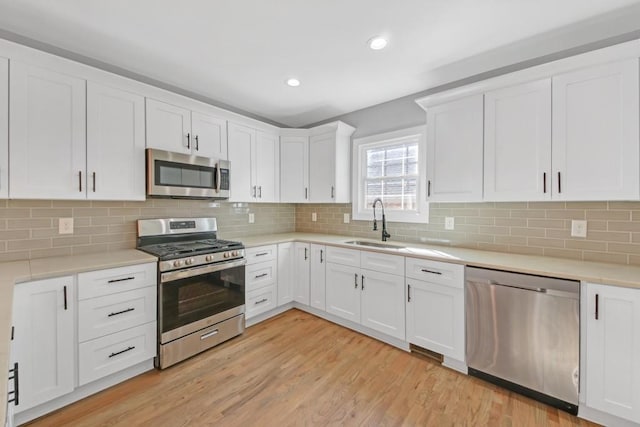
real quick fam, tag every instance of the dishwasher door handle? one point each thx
(541, 290)
(550, 292)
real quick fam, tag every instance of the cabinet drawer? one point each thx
(113, 313)
(442, 273)
(260, 275)
(343, 256)
(261, 254)
(107, 355)
(376, 261)
(106, 282)
(262, 300)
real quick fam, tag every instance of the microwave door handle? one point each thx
(218, 178)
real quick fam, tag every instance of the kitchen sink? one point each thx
(373, 244)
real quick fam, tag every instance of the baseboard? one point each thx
(603, 418)
(456, 365)
(82, 392)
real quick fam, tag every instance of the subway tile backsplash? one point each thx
(534, 228)
(29, 228)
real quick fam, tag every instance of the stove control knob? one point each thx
(226, 255)
(189, 261)
(177, 263)
(235, 253)
(208, 258)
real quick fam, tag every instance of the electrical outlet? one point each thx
(314, 217)
(346, 218)
(252, 218)
(449, 223)
(65, 226)
(578, 228)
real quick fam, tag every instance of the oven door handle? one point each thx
(196, 271)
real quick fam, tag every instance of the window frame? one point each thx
(360, 145)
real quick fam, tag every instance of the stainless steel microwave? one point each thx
(180, 175)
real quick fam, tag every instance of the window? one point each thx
(392, 167)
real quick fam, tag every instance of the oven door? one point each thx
(181, 175)
(194, 298)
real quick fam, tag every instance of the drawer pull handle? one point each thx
(122, 351)
(209, 334)
(120, 312)
(261, 301)
(16, 385)
(120, 280)
(262, 275)
(262, 254)
(424, 270)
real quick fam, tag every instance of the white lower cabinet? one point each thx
(374, 299)
(261, 280)
(317, 277)
(301, 268)
(44, 340)
(285, 273)
(435, 307)
(613, 350)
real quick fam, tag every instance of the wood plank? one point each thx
(299, 369)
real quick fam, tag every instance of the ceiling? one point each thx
(240, 52)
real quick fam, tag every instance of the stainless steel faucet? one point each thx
(385, 235)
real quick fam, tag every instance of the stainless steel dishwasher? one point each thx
(523, 334)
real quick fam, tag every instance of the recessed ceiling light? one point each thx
(377, 42)
(293, 82)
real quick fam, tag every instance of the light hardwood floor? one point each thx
(297, 369)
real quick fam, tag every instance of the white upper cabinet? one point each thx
(595, 133)
(178, 129)
(294, 173)
(47, 134)
(613, 350)
(254, 157)
(330, 164)
(209, 135)
(267, 160)
(517, 142)
(454, 150)
(115, 144)
(168, 127)
(4, 128)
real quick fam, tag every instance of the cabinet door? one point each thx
(613, 350)
(383, 302)
(454, 150)
(301, 273)
(435, 318)
(115, 144)
(322, 168)
(317, 277)
(517, 142)
(294, 174)
(44, 339)
(4, 128)
(285, 272)
(47, 134)
(267, 169)
(209, 136)
(241, 152)
(595, 133)
(168, 127)
(343, 291)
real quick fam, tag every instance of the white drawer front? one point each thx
(105, 282)
(113, 313)
(260, 301)
(376, 261)
(343, 256)
(107, 355)
(442, 273)
(261, 254)
(260, 275)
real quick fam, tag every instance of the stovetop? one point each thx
(187, 248)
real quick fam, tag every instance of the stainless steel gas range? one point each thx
(201, 285)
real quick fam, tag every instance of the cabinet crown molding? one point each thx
(340, 128)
